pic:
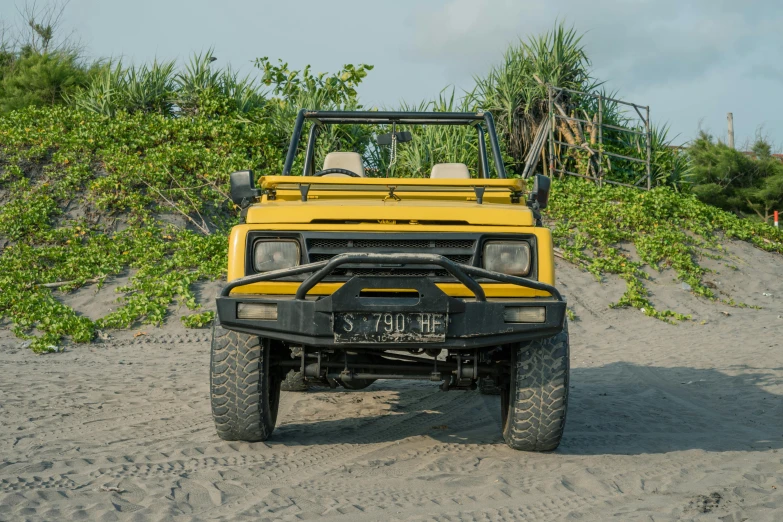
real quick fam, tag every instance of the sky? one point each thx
(692, 62)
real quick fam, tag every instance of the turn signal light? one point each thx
(262, 311)
(524, 314)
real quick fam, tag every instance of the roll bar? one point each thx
(483, 122)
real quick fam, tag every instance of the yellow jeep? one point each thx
(342, 279)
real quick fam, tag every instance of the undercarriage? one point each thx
(454, 370)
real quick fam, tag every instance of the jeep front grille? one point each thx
(459, 250)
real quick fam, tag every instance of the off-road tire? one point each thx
(487, 386)
(243, 392)
(294, 382)
(534, 408)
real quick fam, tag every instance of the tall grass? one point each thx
(161, 88)
(148, 89)
(433, 144)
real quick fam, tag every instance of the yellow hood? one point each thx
(363, 200)
(424, 212)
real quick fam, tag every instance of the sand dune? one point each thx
(665, 423)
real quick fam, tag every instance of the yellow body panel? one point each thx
(344, 199)
(363, 205)
(371, 212)
(275, 182)
(546, 261)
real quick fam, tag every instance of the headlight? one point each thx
(507, 257)
(274, 255)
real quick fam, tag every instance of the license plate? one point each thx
(389, 327)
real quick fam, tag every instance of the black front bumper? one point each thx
(472, 323)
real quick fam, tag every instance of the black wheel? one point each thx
(244, 394)
(294, 382)
(533, 409)
(487, 386)
(356, 384)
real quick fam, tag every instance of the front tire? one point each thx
(534, 406)
(244, 393)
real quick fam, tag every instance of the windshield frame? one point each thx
(481, 121)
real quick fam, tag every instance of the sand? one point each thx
(665, 423)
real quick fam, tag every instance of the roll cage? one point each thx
(482, 121)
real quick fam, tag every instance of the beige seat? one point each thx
(450, 170)
(344, 160)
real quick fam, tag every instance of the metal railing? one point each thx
(563, 121)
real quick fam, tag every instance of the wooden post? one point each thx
(649, 149)
(600, 140)
(551, 133)
(730, 117)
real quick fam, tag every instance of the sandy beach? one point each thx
(666, 422)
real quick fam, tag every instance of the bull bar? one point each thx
(472, 323)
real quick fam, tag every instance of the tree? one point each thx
(766, 194)
(735, 180)
(37, 65)
(40, 79)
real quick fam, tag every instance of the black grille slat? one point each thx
(362, 244)
(457, 258)
(314, 258)
(460, 250)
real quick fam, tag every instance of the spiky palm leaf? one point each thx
(515, 91)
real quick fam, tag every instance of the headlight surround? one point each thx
(507, 257)
(271, 255)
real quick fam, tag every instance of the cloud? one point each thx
(690, 61)
(633, 42)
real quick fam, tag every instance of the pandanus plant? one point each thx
(515, 91)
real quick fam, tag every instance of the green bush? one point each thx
(734, 180)
(40, 80)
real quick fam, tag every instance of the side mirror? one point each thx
(540, 193)
(243, 188)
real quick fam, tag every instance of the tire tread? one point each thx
(242, 391)
(539, 394)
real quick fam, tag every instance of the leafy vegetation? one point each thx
(293, 90)
(198, 320)
(40, 80)
(665, 228)
(37, 67)
(112, 170)
(198, 89)
(86, 197)
(736, 181)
